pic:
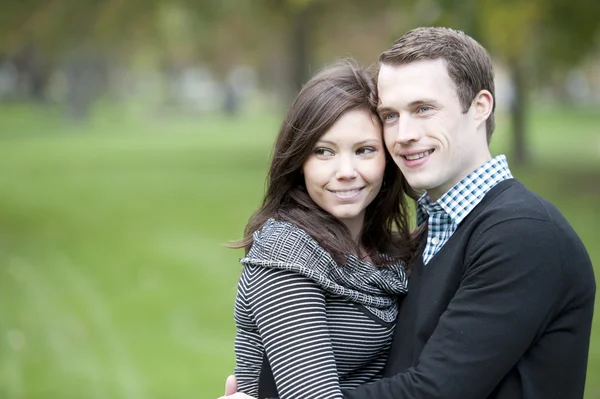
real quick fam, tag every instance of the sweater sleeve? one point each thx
(248, 346)
(511, 282)
(290, 315)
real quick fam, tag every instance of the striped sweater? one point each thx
(323, 327)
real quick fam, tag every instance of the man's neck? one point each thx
(438, 192)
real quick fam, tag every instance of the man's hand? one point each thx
(230, 385)
(231, 390)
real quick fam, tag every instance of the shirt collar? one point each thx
(461, 199)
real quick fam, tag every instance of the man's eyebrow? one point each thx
(416, 103)
(383, 108)
(412, 104)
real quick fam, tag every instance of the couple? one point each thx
(490, 297)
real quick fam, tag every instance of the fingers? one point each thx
(230, 385)
(237, 396)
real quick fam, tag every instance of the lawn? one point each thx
(114, 281)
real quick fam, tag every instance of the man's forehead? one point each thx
(418, 68)
(414, 81)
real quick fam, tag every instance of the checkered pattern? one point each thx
(445, 214)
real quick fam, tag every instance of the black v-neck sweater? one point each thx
(504, 309)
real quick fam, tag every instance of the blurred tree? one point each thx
(363, 30)
(289, 39)
(295, 22)
(39, 36)
(532, 38)
(314, 32)
(511, 34)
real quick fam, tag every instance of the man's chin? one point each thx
(419, 186)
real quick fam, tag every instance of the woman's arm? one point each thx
(290, 313)
(248, 347)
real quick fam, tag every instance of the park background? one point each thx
(134, 141)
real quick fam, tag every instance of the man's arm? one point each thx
(511, 282)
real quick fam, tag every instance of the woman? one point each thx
(317, 299)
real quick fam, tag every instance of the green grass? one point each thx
(113, 279)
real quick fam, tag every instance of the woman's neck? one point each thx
(355, 227)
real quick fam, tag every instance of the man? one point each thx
(500, 304)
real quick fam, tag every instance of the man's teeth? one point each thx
(418, 156)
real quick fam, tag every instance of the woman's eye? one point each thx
(322, 152)
(365, 150)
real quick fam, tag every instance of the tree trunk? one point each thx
(300, 46)
(33, 72)
(518, 113)
(86, 74)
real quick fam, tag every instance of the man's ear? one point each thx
(482, 104)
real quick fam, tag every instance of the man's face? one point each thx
(433, 143)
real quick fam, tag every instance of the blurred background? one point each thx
(134, 141)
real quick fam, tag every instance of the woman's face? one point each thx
(344, 172)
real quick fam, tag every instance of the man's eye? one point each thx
(424, 108)
(391, 117)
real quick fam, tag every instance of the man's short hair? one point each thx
(468, 62)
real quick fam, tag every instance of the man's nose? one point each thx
(407, 130)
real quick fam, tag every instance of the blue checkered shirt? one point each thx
(445, 214)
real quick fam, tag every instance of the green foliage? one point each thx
(113, 279)
(550, 34)
(223, 33)
(569, 31)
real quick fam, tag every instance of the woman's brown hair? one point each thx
(321, 102)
